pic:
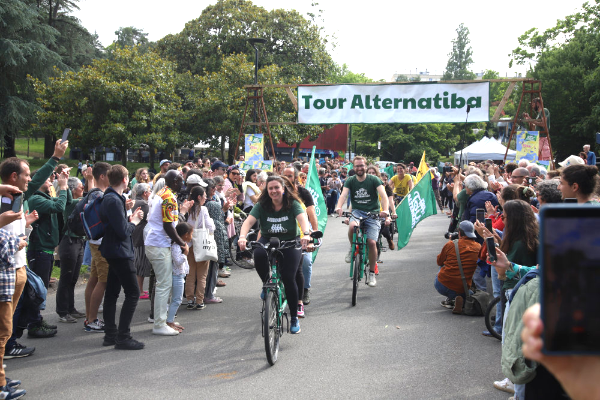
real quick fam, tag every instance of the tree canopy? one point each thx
(460, 58)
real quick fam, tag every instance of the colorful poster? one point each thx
(528, 145)
(254, 147)
(262, 165)
(393, 103)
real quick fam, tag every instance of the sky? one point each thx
(378, 38)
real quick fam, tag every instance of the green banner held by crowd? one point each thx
(314, 187)
(415, 207)
(389, 171)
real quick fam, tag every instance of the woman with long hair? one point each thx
(579, 181)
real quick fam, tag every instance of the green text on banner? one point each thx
(314, 187)
(415, 207)
(393, 103)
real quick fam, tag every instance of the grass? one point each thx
(36, 146)
(56, 271)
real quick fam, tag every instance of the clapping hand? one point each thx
(137, 216)
(31, 217)
(129, 204)
(490, 209)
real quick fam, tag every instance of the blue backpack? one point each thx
(75, 221)
(92, 220)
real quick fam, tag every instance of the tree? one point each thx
(124, 102)
(130, 37)
(460, 57)
(293, 43)
(24, 50)
(344, 75)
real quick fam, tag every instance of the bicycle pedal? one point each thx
(384, 249)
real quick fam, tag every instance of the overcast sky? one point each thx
(377, 37)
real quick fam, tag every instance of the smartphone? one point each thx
(531, 180)
(480, 214)
(488, 225)
(5, 204)
(65, 135)
(570, 275)
(491, 248)
(570, 200)
(17, 202)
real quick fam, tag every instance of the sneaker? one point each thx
(263, 293)
(391, 244)
(165, 331)
(448, 303)
(191, 305)
(295, 326)
(18, 351)
(150, 320)
(144, 296)
(505, 385)
(200, 306)
(12, 383)
(77, 314)
(372, 280)
(458, 305)
(67, 318)
(8, 393)
(349, 256)
(47, 325)
(95, 327)
(220, 283)
(306, 297)
(40, 331)
(214, 300)
(85, 323)
(129, 344)
(300, 311)
(109, 341)
(224, 274)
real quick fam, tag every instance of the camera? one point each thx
(451, 235)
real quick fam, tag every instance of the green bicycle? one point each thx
(275, 303)
(360, 256)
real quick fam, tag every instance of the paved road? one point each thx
(398, 342)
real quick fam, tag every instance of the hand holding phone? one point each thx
(65, 135)
(491, 248)
(488, 224)
(480, 214)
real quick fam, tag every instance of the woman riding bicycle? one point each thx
(278, 210)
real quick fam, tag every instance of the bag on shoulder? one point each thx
(204, 244)
(92, 220)
(477, 303)
(74, 221)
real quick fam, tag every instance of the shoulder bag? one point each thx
(205, 246)
(476, 303)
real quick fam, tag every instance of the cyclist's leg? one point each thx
(288, 267)
(300, 280)
(261, 261)
(372, 233)
(372, 244)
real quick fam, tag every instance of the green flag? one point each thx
(389, 171)
(314, 187)
(348, 166)
(415, 207)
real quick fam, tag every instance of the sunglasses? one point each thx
(234, 173)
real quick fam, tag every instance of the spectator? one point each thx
(216, 208)
(117, 249)
(518, 176)
(70, 251)
(180, 270)
(334, 185)
(547, 192)
(141, 194)
(571, 160)
(591, 156)
(579, 181)
(218, 168)
(478, 196)
(164, 214)
(164, 167)
(448, 281)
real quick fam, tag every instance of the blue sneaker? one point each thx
(9, 393)
(295, 326)
(263, 294)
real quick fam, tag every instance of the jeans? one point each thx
(519, 391)
(211, 280)
(444, 291)
(508, 292)
(162, 264)
(307, 269)
(497, 287)
(479, 280)
(70, 251)
(121, 273)
(176, 296)
(87, 254)
(332, 200)
(41, 263)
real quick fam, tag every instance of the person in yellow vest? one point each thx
(402, 182)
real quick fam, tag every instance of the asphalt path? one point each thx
(397, 342)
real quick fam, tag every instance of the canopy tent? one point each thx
(485, 149)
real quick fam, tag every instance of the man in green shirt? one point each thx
(365, 191)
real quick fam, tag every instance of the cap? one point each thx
(572, 160)
(195, 180)
(164, 161)
(468, 228)
(218, 164)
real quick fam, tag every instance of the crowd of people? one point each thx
(151, 220)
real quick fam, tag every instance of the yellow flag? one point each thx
(423, 169)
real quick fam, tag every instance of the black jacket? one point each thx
(117, 242)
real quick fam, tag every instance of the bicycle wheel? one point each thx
(356, 277)
(271, 327)
(490, 318)
(242, 259)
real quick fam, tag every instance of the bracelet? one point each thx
(55, 158)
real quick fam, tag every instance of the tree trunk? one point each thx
(9, 146)
(49, 142)
(297, 150)
(151, 156)
(222, 147)
(124, 156)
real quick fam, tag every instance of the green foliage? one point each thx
(344, 75)
(293, 43)
(131, 37)
(460, 58)
(122, 102)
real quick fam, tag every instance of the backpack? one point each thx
(74, 221)
(92, 220)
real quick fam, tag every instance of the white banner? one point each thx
(393, 103)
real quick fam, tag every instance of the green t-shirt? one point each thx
(281, 224)
(519, 254)
(363, 195)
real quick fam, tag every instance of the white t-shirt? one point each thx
(157, 236)
(247, 200)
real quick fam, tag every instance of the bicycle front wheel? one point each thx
(356, 277)
(490, 318)
(271, 327)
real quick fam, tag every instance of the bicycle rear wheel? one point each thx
(356, 276)
(271, 327)
(242, 259)
(490, 318)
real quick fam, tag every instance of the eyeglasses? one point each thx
(234, 173)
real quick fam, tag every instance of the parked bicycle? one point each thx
(498, 304)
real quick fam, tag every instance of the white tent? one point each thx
(485, 149)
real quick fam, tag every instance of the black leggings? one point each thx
(288, 266)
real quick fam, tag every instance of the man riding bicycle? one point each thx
(365, 191)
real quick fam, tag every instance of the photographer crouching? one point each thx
(448, 281)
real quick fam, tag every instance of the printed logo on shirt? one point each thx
(277, 228)
(361, 193)
(280, 219)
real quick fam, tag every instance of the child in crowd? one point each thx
(180, 270)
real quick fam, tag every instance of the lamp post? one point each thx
(253, 42)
